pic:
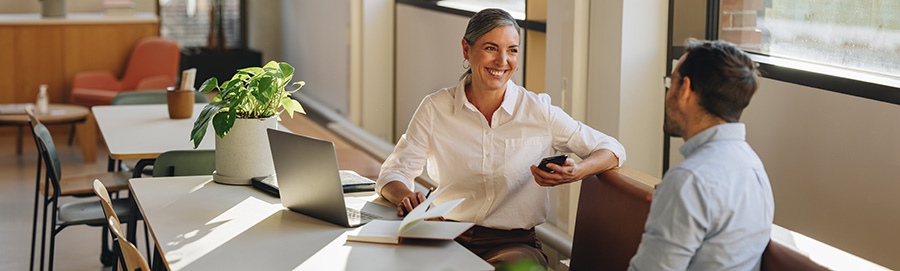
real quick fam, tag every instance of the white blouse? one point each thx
(488, 165)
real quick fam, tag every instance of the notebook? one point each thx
(308, 179)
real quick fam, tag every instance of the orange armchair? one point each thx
(153, 65)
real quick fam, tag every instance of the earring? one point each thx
(465, 64)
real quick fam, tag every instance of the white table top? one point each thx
(145, 131)
(202, 225)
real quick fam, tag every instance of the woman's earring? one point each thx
(465, 64)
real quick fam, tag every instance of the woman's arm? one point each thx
(397, 193)
(598, 161)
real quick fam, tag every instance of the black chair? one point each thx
(76, 213)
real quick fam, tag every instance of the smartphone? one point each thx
(559, 160)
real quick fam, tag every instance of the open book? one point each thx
(413, 225)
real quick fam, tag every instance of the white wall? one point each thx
(375, 111)
(833, 161)
(627, 64)
(429, 57)
(264, 29)
(314, 39)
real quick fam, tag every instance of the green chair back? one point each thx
(185, 163)
(48, 153)
(150, 97)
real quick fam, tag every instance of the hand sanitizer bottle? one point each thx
(42, 101)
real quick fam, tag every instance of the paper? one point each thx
(187, 78)
(413, 225)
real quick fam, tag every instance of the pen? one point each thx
(429, 192)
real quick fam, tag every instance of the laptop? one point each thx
(308, 179)
(350, 182)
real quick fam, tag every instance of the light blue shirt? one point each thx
(711, 212)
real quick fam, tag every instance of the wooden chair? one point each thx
(133, 259)
(53, 187)
(153, 64)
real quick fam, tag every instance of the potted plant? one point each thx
(240, 113)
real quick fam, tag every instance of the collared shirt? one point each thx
(489, 165)
(711, 212)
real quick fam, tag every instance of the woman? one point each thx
(482, 136)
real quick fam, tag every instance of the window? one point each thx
(516, 8)
(860, 35)
(188, 21)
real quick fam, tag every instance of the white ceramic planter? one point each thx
(244, 152)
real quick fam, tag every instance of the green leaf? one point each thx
(209, 84)
(291, 105)
(286, 69)
(240, 75)
(252, 70)
(301, 83)
(224, 122)
(202, 122)
(272, 65)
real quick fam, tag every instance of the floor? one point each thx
(77, 247)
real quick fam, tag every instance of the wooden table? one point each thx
(198, 224)
(61, 114)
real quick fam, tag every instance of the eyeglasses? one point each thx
(667, 81)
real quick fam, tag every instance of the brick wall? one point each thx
(738, 23)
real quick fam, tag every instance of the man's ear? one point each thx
(465, 47)
(685, 93)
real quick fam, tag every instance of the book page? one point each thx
(419, 213)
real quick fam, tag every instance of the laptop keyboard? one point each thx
(357, 217)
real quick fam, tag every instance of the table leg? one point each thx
(131, 229)
(19, 140)
(87, 135)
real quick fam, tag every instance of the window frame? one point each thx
(830, 78)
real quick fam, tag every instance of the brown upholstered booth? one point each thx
(612, 210)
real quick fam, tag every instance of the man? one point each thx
(714, 210)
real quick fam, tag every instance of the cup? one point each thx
(180, 102)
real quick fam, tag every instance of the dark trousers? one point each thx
(504, 248)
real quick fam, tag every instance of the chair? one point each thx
(109, 211)
(53, 187)
(185, 163)
(150, 97)
(612, 211)
(133, 259)
(153, 65)
(76, 213)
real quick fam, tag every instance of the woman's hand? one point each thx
(561, 174)
(398, 194)
(598, 161)
(409, 202)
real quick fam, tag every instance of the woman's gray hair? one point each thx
(483, 22)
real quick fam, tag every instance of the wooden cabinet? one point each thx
(35, 51)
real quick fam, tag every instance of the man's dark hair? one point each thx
(722, 75)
